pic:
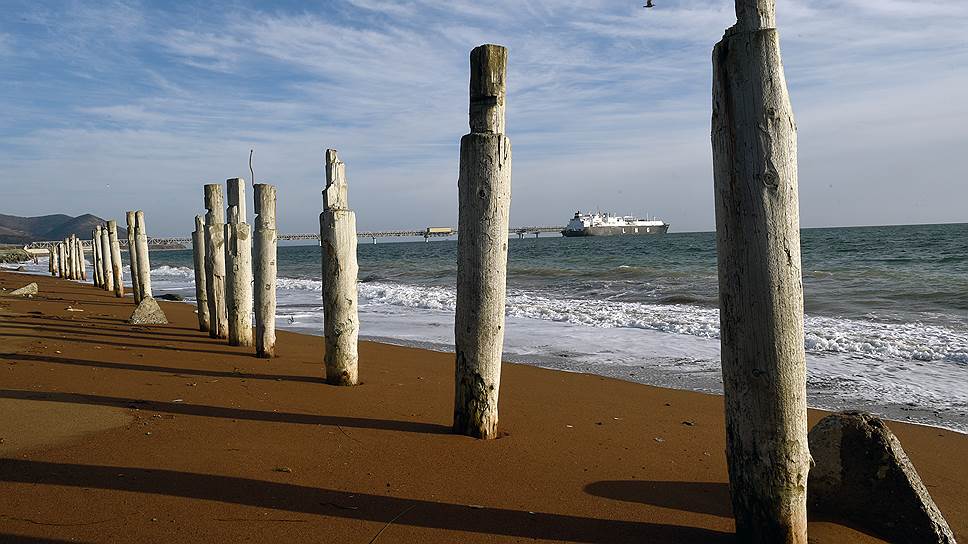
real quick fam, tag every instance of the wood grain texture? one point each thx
(761, 295)
(484, 195)
(116, 265)
(340, 271)
(133, 256)
(201, 287)
(264, 269)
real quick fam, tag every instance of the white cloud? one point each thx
(608, 106)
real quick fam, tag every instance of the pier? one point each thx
(426, 234)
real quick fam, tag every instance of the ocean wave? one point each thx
(866, 337)
(166, 271)
(906, 341)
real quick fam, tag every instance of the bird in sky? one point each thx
(648, 4)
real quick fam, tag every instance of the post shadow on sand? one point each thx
(699, 497)
(158, 369)
(226, 351)
(352, 505)
(229, 413)
(81, 326)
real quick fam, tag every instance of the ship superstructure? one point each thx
(607, 224)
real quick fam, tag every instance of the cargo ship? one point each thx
(607, 224)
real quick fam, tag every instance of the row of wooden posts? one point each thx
(761, 300)
(68, 259)
(228, 283)
(227, 276)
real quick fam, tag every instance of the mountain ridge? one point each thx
(23, 230)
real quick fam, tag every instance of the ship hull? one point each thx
(616, 231)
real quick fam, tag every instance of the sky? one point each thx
(115, 105)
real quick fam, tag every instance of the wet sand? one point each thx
(120, 433)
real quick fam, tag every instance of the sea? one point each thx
(886, 309)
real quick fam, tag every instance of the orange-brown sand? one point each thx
(119, 433)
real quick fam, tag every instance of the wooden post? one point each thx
(337, 236)
(81, 259)
(144, 260)
(96, 256)
(51, 261)
(215, 261)
(76, 256)
(68, 259)
(238, 266)
(116, 264)
(60, 259)
(484, 190)
(760, 285)
(133, 257)
(106, 269)
(264, 270)
(201, 290)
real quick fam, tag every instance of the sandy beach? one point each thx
(120, 433)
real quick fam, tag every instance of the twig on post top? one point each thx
(251, 171)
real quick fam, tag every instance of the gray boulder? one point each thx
(172, 296)
(863, 476)
(27, 290)
(148, 313)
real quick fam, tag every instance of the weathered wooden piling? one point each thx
(215, 261)
(761, 297)
(116, 264)
(201, 289)
(75, 259)
(144, 260)
(96, 256)
(59, 248)
(107, 273)
(51, 261)
(337, 236)
(76, 254)
(68, 259)
(238, 266)
(264, 270)
(98, 265)
(484, 190)
(133, 256)
(82, 259)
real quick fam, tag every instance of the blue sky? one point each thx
(117, 105)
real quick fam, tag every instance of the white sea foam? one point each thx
(901, 341)
(171, 272)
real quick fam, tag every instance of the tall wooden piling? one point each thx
(264, 270)
(106, 269)
(337, 236)
(484, 191)
(116, 264)
(60, 259)
(761, 298)
(133, 256)
(96, 257)
(238, 266)
(51, 261)
(68, 259)
(201, 289)
(82, 259)
(215, 261)
(76, 255)
(144, 259)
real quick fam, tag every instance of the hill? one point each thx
(23, 230)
